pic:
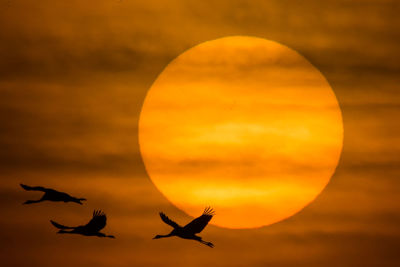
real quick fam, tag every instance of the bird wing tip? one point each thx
(209, 211)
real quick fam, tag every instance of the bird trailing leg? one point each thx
(77, 200)
(211, 245)
(62, 227)
(33, 201)
(162, 236)
(104, 235)
(65, 232)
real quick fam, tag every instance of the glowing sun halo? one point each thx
(243, 124)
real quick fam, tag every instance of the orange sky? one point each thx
(73, 77)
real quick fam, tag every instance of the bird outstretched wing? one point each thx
(168, 220)
(98, 221)
(33, 188)
(60, 226)
(198, 224)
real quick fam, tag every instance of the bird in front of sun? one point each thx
(190, 230)
(92, 228)
(51, 195)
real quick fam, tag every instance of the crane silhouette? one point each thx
(50, 195)
(190, 230)
(92, 228)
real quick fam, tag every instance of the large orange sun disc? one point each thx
(242, 124)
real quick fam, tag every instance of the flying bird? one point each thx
(51, 195)
(92, 228)
(190, 230)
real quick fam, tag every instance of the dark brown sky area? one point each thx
(74, 74)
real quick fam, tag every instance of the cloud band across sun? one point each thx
(244, 124)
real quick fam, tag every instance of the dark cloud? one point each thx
(73, 76)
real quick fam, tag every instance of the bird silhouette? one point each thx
(190, 230)
(92, 228)
(50, 195)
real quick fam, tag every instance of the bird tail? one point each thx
(60, 226)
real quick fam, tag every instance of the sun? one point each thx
(242, 124)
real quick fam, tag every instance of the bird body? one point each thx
(190, 230)
(51, 195)
(97, 223)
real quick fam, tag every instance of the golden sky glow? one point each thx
(73, 78)
(243, 124)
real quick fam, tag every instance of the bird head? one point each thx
(157, 236)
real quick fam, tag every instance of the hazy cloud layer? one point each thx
(73, 76)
